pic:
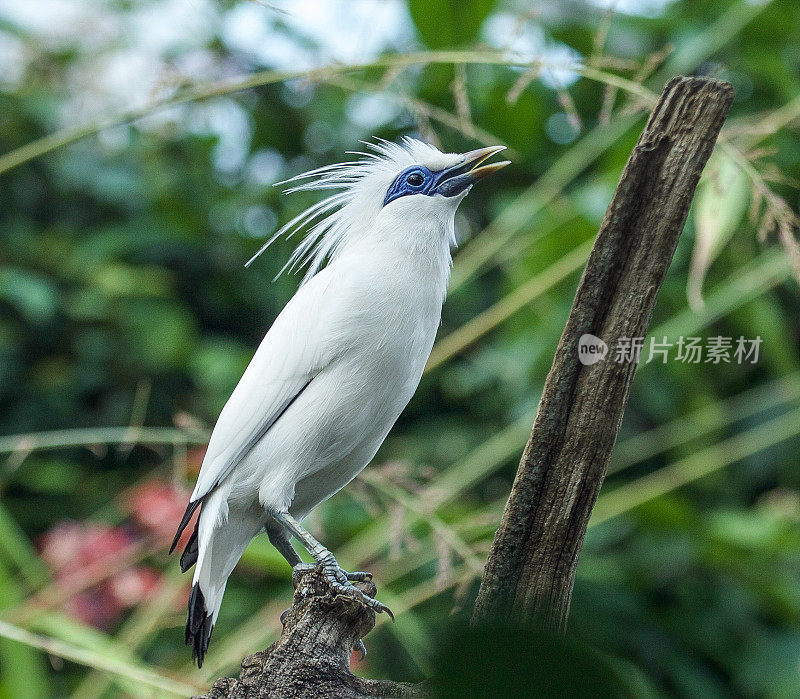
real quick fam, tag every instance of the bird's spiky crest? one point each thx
(329, 223)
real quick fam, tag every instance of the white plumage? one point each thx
(338, 365)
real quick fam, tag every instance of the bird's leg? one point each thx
(280, 540)
(340, 580)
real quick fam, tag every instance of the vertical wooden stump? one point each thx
(531, 568)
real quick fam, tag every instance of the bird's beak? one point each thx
(456, 179)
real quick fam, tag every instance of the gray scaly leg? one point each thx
(339, 579)
(280, 540)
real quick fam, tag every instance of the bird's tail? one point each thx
(216, 545)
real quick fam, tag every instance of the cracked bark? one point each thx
(531, 567)
(312, 656)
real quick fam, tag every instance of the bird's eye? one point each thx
(415, 179)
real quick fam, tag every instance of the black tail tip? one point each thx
(190, 553)
(190, 508)
(198, 625)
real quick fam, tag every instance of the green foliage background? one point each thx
(123, 299)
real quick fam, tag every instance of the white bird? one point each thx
(338, 365)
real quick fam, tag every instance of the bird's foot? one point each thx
(342, 582)
(358, 576)
(355, 576)
(303, 567)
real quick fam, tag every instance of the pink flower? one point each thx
(134, 585)
(96, 607)
(61, 545)
(157, 507)
(73, 550)
(70, 546)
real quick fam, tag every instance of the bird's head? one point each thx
(408, 191)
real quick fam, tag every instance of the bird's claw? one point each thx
(350, 590)
(358, 576)
(376, 606)
(355, 576)
(361, 648)
(342, 582)
(304, 567)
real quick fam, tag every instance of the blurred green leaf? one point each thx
(720, 203)
(82, 645)
(32, 295)
(449, 23)
(22, 671)
(15, 547)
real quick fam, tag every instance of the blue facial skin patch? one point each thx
(417, 179)
(413, 180)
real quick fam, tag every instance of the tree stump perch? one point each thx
(312, 656)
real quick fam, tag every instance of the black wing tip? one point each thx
(189, 555)
(190, 508)
(198, 625)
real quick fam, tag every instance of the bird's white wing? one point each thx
(297, 347)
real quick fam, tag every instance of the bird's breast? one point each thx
(385, 334)
(380, 327)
